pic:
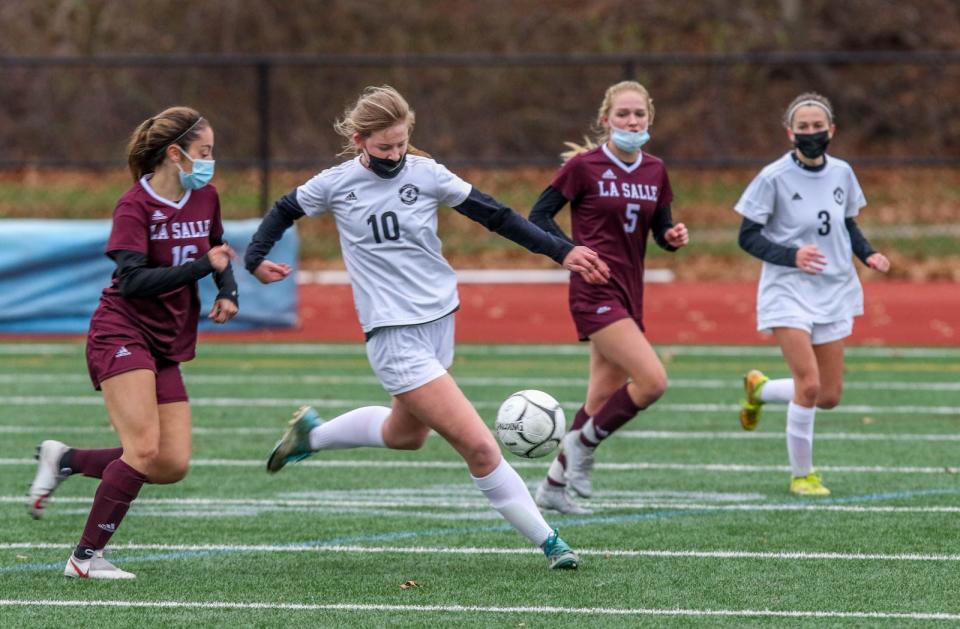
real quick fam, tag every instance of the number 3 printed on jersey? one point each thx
(824, 228)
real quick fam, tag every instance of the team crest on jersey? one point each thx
(409, 194)
(838, 195)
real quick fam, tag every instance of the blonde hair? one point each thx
(601, 134)
(145, 149)
(804, 100)
(376, 109)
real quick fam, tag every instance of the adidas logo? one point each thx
(158, 216)
(123, 351)
(608, 175)
(351, 196)
(797, 197)
(604, 309)
(108, 527)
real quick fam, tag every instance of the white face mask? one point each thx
(629, 141)
(200, 176)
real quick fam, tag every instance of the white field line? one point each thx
(229, 402)
(351, 349)
(479, 503)
(679, 435)
(637, 466)
(733, 384)
(475, 609)
(429, 550)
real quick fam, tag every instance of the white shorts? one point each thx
(406, 357)
(820, 333)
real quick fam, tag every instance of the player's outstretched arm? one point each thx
(278, 220)
(499, 218)
(588, 264)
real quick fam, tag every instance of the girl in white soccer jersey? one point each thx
(798, 217)
(385, 203)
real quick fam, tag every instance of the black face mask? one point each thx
(812, 145)
(386, 168)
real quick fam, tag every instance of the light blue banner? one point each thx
(53, 271)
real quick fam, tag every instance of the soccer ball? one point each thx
(530, 423)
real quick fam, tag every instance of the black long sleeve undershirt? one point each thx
(759, 246)
(278, 220)
(756, 244)
(661, 222)
(136, 279)
(546, 207)
(498, 218)
(551, 201)
(858, 242)
(226, 283)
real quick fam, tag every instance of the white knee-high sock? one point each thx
(800, 438)
(780, 390)
(357, 428)
(508, 494)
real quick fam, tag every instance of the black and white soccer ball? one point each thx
(530, 423)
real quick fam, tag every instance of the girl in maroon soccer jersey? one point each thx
(166, 235)
(617, 195)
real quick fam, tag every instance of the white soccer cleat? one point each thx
(579, 465)
(550, 497)
(49, 475)
(96, 567)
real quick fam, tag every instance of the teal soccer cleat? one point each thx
(295, 444)
(559, 555)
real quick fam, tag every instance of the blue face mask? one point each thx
(628, 141)
(200, 176)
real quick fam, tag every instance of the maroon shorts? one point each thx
(112, 354)
(597, 309)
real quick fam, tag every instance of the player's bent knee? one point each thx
(828, 401)
(169, 472)
(485, 456)
(650, 388)
(142, 456)
(808, 391)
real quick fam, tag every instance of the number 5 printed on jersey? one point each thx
(632, 213)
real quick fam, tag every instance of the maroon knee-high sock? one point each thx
(618, 410)
(580, 419)
(89, 462)
(119, 487)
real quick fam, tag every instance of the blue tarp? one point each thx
(53, 271)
